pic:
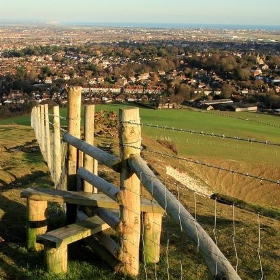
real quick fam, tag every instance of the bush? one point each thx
(4, 112)
(169, 145)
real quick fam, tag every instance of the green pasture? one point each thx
(191, 126)
(159, 124)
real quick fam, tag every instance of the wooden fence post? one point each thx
(32, 117)
(89, 138)
(130, 142)
(151, 236)
(74, 128)
(38, 123)
(36, 222)
(42, 131)
(48, 140)
(56, 146)
(35, 121)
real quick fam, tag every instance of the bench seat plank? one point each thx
(83, 198)
(73, 232)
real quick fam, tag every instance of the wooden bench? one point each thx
(55, 242)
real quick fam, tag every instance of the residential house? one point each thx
(144, 76)
(243, 107)
(48, 80)
(66, 77)
(133, 89)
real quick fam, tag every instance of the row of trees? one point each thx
(34, 50)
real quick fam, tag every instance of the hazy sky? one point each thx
(152, 11)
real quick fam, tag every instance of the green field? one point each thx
(262, 127)
(186, 130)
(159, 124)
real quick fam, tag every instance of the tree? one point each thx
(177, 99)
(20, 72)
(243, 74)
(258, 84)
(165, 64)
(185, 91)
(71, 72)
(227, 91)
(273, 101)
(32, 75)
(91, 67)
(46, 71)
(274, 61)
(228, 64)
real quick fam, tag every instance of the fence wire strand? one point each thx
(215, 233)
(234, 237)
(202, 133)
(259, 246)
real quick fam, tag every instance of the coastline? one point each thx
(149, 25)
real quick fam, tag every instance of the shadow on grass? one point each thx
(28, 179)
(13, 220)
(16, 262)
(14, 258)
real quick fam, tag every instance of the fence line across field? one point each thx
(191, 131)
(134, 166)
(240, 118)
(262, 179)
(222, 136)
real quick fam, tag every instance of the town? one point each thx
(219, 69)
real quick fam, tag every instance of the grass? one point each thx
(267, 211)
(22, 166)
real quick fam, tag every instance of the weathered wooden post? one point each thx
(56, 259)
(32, 115)
(36, 122)
(151, 236)
(48, 140)
(74, 128)
(130, 142)
(89, 162)
(38, 125)
(42, 131)
(36, 222)
(57, 146)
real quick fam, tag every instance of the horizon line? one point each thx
(137, 23)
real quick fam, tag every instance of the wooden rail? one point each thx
(213, 257)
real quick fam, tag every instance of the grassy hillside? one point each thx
(257, 159)
(21, 166)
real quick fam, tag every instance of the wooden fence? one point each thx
(136, 218)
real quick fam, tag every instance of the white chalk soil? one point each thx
(188, 182)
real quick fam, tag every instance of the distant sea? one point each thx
(149, 25)
(177, 25)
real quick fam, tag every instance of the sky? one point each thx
(260, 12)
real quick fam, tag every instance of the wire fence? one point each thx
(247, 119)
(239, 234)
(212, 134)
